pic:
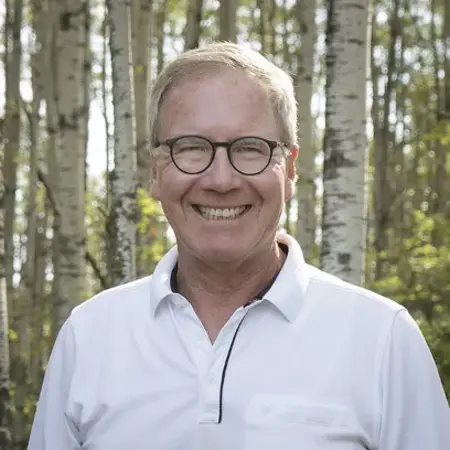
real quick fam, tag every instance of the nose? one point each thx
(220, 176)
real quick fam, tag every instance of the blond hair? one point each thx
(223, 55)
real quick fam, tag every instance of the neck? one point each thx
(217, 290)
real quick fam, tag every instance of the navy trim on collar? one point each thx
(259, 296)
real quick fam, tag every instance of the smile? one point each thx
(221, 213)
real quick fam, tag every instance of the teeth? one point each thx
(221, 213)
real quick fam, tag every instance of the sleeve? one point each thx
(52, 429)
(415, 411)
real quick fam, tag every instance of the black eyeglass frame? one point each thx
(227, 145)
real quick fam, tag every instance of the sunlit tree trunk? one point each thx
(39, 303)
(193, 24)
(161, 16)
(141, 51)
(5, 404)
(50, 38)
(260, 4)
(69, 94)
(439, 181)
(109, 154)
(141, 36)
(124, 179)
(227, 20)
(28, 280)
(273, 7)
(12, 145)
(86, 81)
(383, 151)
(345, 143)
(306, 202)
(13, 59)
(34, 269)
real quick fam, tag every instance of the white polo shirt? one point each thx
(317, 364)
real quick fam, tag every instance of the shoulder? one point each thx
(361, 310)
(114, 304)
(326, 286)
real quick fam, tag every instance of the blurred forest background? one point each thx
(75, 214)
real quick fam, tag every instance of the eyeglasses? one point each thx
(248, 155)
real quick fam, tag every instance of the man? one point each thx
(234, 342)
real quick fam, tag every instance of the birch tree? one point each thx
(49, 44)
(345, 144)
(141, 38)
(440, 186)
(383, 191)
(161, 17)
(193, 24)
(306, 202)
(69, 95)
(13, 60)
(124, 178)
(142, 31)
(227, 20)
(5, 430)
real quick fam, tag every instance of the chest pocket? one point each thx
(274, 422)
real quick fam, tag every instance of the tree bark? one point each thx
(12, 128)
(383, 191)
(161, 17)
(227, 20)
(141, 36)
(5, 401)
(439, 183)
(345, 142)
(193, 24)
(306, 198)
(69, 94)
(124, 178)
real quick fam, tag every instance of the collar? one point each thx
(259, 296)
(286, 293)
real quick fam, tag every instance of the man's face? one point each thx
(222, 107)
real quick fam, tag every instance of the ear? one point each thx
(291, 172)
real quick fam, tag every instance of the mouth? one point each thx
(230, 213)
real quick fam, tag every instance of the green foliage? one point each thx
(152, 228)
(418, 277)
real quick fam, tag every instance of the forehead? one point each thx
(219, 104)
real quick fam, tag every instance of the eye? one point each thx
(254, 147)
(188, 145)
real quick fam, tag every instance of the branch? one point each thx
(50, 195)
(89, 258)
(101, 277)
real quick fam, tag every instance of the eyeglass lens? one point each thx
(247, 155)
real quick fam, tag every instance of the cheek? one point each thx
(174, 186)
(272, 188)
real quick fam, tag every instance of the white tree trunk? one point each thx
(228, 19)
(306, 198)
(142, 56)
(124, 177)
(5, 431)
(13, 59)
(345, 142)
(193, 22)
(70, 50)
(141, 36)
(49, 44)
